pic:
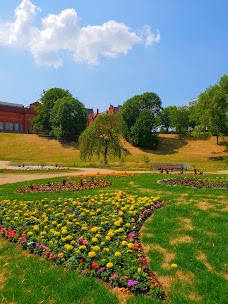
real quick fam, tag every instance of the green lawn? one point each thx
(190, 230)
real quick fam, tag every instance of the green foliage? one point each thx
(42, 122)
(165, 118)
(103, 137)
(141, 135)
(141, 116)
(179, 118)
(211, 112)
(68, 118)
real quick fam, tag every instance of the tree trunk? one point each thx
(217, 139)
(105, 154)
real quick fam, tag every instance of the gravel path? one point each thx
(15, 178)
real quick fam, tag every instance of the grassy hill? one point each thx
(34, 149)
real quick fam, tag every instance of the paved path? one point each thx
(15, 178)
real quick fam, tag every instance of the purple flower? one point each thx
(101, 269)
(144, 267)
(132, 283)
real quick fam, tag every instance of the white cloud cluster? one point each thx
(63, 33)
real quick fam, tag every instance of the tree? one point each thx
(212, 109)
(132, 110)
(42, 122)
(141, 135)
(165, 118)
(103, 138)
(179, 118)
(68, 118)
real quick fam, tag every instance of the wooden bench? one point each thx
(168, 167)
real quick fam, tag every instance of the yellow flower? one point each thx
(124, 243)
(73, 242)
(109, 265)
(96, 248)
(139, 269)
(29, 233)
(83, 247)
(91, 254)
(174, 265)
(69, 237)
(64, 231)
(117, 223)
(130, 245)
(68, 247)
(94, 229)
(36, 228)
(107, 238)
(94, 240)
(118, 254)
(128, 225)
(106, 249)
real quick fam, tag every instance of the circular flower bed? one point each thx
(95, 235)
(218, 182)
(65, 185)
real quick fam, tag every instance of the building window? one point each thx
(1, 125)
(9, 126)
(17, 127)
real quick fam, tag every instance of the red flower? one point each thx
(95, 265)
(22, 239)
(143, 261)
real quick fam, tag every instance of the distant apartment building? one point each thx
(192, 102)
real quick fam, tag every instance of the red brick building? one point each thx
(92, 116)
(16, 118)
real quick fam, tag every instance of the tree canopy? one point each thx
(43, 119)
(68, 118)
(147, 105)
(211, 111)
(103, 138)
(60, 114)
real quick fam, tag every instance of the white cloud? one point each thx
(63, 32)
(149, 37)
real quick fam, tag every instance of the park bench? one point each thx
(168, 167)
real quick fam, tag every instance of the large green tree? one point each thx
(68, 118)
(141, 135)
(42, 122)
(165, 118)
(179, 118)
(145, 105)
(211, 111)
(103, 138)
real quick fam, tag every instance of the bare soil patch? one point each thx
(202, 258)
(185, 223)
(182, 239)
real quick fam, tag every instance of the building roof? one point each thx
(10, 104)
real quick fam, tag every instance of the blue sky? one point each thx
(106, 51)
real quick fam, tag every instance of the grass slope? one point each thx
(33, 149)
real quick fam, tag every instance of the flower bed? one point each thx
(35, 168)
(218, 182)
(95, 235)
(64, 185)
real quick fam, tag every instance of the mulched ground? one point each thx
(194, 182)
(64, 185)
